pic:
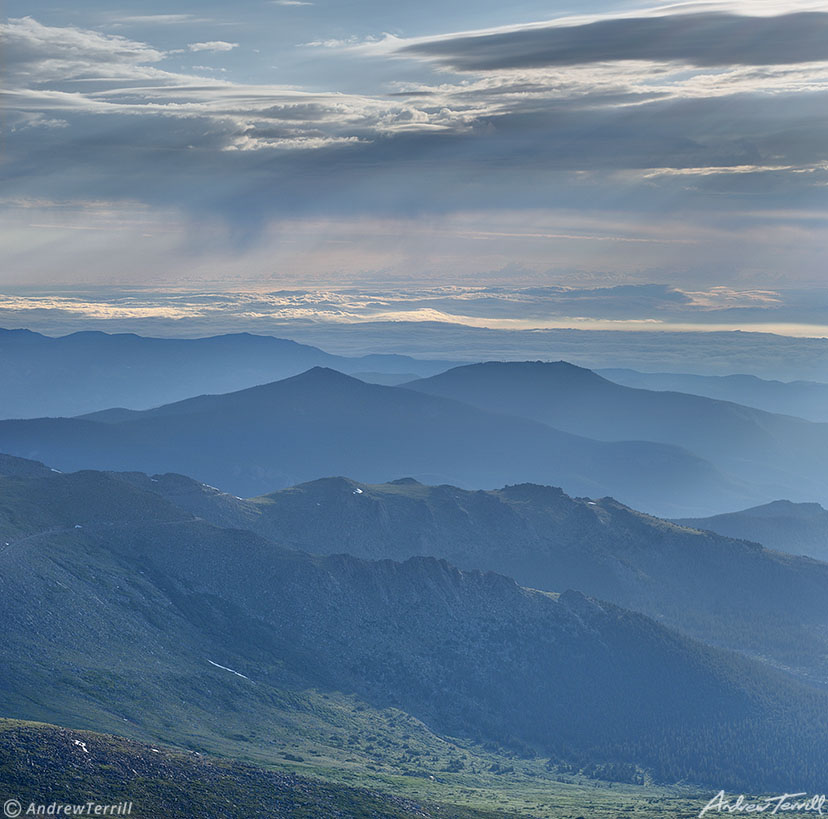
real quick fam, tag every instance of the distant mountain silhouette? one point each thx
(163, 625)
(90, 371)
(779, 456)
(805, 399)
(797, 528)
(325, 423)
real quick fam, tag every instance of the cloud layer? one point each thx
(698, 111)
(700, 39)
(644, 327)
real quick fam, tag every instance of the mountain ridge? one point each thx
(324, 422)
(161, 623)
(783, 455)
(88, 371)
(703, 584)
(796, 528)
(803, 399)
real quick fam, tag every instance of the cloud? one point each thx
(290, 3)
(97, 116)
(723, 297)
(323, 318)
(658, 118)
(757, 8)
(213, 45)
(646, 307)
(38, 54)
(701, 39)
(226, 116)
(299, 142)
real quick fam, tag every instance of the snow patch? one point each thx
(81, 745)
(357, 491)
(225, 668)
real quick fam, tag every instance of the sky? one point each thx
(317, 145)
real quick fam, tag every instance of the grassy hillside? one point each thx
(50, 501)
(43, 764)
(22, 467)
(173, 629)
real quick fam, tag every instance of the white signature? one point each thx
(785, 802)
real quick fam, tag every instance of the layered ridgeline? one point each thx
(44, 764)
(796, 528)
(89, 371)
(804, 399)
(779, 456)
(325, 423)
(725, 591)
(154, 624)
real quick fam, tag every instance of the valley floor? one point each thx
(43, 764)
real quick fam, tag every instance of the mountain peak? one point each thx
(790, 507)
(333, 483)
(323, 375)
(527, 367)
(20, 334)
(535, 376)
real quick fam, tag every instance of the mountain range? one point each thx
(778, 455)
(673, 454)
(88, 371)
(804, 399)
(728, 592)
(325, 423)
(156, 624)
(430, 633)
(796, 528)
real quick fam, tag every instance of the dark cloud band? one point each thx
(697, 39)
